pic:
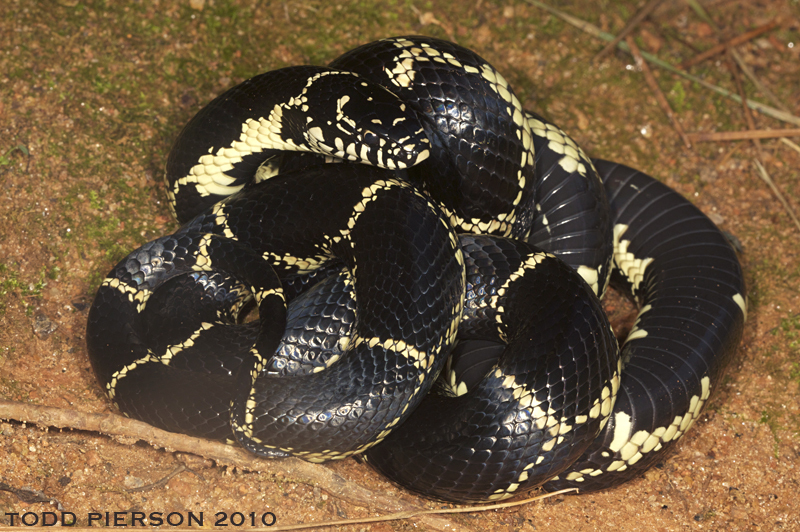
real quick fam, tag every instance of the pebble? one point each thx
(43, 326)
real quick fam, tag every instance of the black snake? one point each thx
(352, 183)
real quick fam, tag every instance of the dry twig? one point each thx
(701, 12)
(736, 41)
(361, 520)
(747, 134)
(660, 98)
(298, 470)
(632, 23)
(593, 30)
(407, 515)
(294, 468)
(161, 482)
(791, 144)
(748, 116)
(762, 172)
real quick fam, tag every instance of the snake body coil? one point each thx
(429, 141)
(688, 283)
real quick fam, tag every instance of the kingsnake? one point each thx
(342, 192)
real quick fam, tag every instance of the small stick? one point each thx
(763, 89)
(632, 23)
(728, 155)
(131, 430)
(733, 55)
(361, 520)
(730, 58)
(768, 180)
(748, 115)
(415, 513)
(660, 98)
(157, 484)
(747, 134)
(736, 41)
(757, 82)
(791, 144)
(593, 30)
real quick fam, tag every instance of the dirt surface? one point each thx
(93, 93)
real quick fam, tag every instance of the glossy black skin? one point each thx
(694, 325)
(477, 151)
(578, 226)
(374, 112)
(184, 396)
(408, 284)
(557, 344)
(702, 266)
(476, 154)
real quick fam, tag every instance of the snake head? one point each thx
(367, 123)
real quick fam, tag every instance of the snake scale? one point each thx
(425, 258)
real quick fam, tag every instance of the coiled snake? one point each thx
(395, 200)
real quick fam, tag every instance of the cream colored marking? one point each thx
(742, 304)
(530, 262)
(672, 430)
(303, 264)
(403, 73)
(349, 150)
(653, 440)
(632, 267)
(264, 133)
(340, 103)
(635, 335)
(594, 412)
(369, 194)
(515, 111)
(138, 295)
(635, 332)
(617, 465)
(591, 276)
(410, 352)
(548, 445)
(608, 397)
(537, 126)
(260, 295)
(622, 429)
(344, 343)
(221, 220)
(503, 228)
(201, 258)
(499, 495)
(165, 359)
(173, 350)
(120, 374)
(541, 419)
(631, 448)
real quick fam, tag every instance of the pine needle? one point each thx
(768, 180)
(593, 30)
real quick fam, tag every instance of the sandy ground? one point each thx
(92, 95)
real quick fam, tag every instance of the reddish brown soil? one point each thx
(91, 97)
